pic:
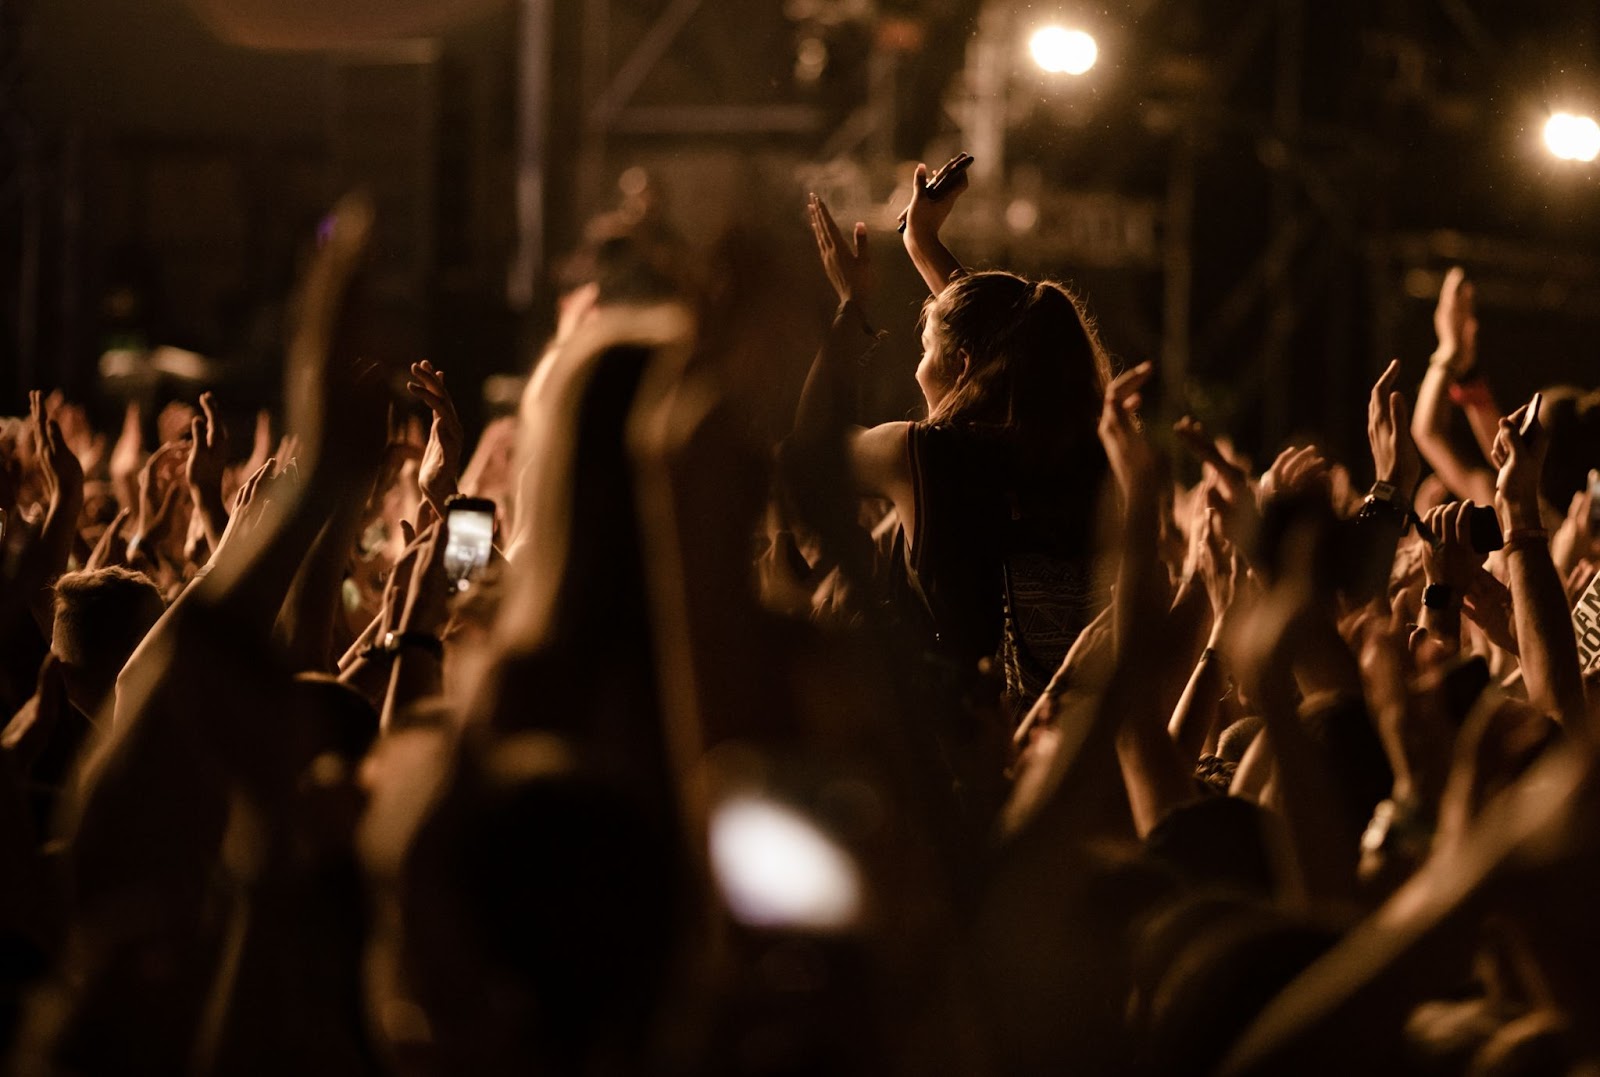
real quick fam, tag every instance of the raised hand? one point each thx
(106, 552)
(1520, 456)
(1395, 459)
(1133, 461)
(1455, 322)
(1219, 568)
(441, 459)
(1295, 472)
(1448, 556)
(924, 216)
(88, 446)
(204, 468)
(60, 474)
(1230, 492)
(160, 491)
(846, 261)
(127, 457)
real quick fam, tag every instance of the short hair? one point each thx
(101, 615)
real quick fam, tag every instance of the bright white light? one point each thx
(776, 869)
(1572, 138)
(1064, 51)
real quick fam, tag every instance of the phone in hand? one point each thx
(1483, 529)
(944, 180)
(470, 523)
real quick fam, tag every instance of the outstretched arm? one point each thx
(1456, 324)
(62, 479)
(923, 218)
(1545, 642)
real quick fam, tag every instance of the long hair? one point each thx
(1037, 368)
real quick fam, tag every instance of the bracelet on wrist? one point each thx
(395, 642)
(1526, 537)
(1471, 392)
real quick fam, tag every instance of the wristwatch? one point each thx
(1441, 596)
(395, 642)
(1383, 500)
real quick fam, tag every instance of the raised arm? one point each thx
(923, 218)
(208, 459)
(1545, 642)
(1156, 778)
(439, 472)
(61, 478)
(1456, 325)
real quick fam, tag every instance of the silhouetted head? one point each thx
(1002, 350)
(100, 617)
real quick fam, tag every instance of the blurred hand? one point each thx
(846, 261)
(1520, 458)
(1133, 461)
(208, 451)
(1395, 459)
(440, 468)
(923, 217)
(1455, 322)
(160, 490)
(251, 503)
(1227, 486)
(60, 475)
(88, 446)
(1219, 569)
(1295, 472)
(127, 457)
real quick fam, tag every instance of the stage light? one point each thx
(1572, 138)
(1062, 51)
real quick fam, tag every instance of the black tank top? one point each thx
(1003, 565)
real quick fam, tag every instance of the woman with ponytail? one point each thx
(995, 489)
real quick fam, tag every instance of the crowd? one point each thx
(1023, 737)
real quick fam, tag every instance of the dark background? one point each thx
(160, 186)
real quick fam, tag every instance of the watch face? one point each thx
(1383, 491)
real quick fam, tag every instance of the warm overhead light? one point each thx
(1572, 138)
(1059, 50)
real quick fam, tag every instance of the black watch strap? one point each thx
(395, 642)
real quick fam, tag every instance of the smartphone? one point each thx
(1533, 414)
(470, 521)
(1483, 528)
(944, 179)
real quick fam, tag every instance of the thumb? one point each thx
(921, 186)
(861, 239)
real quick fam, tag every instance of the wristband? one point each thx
(395, 642)
(1526, 536)
(1474, 393)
